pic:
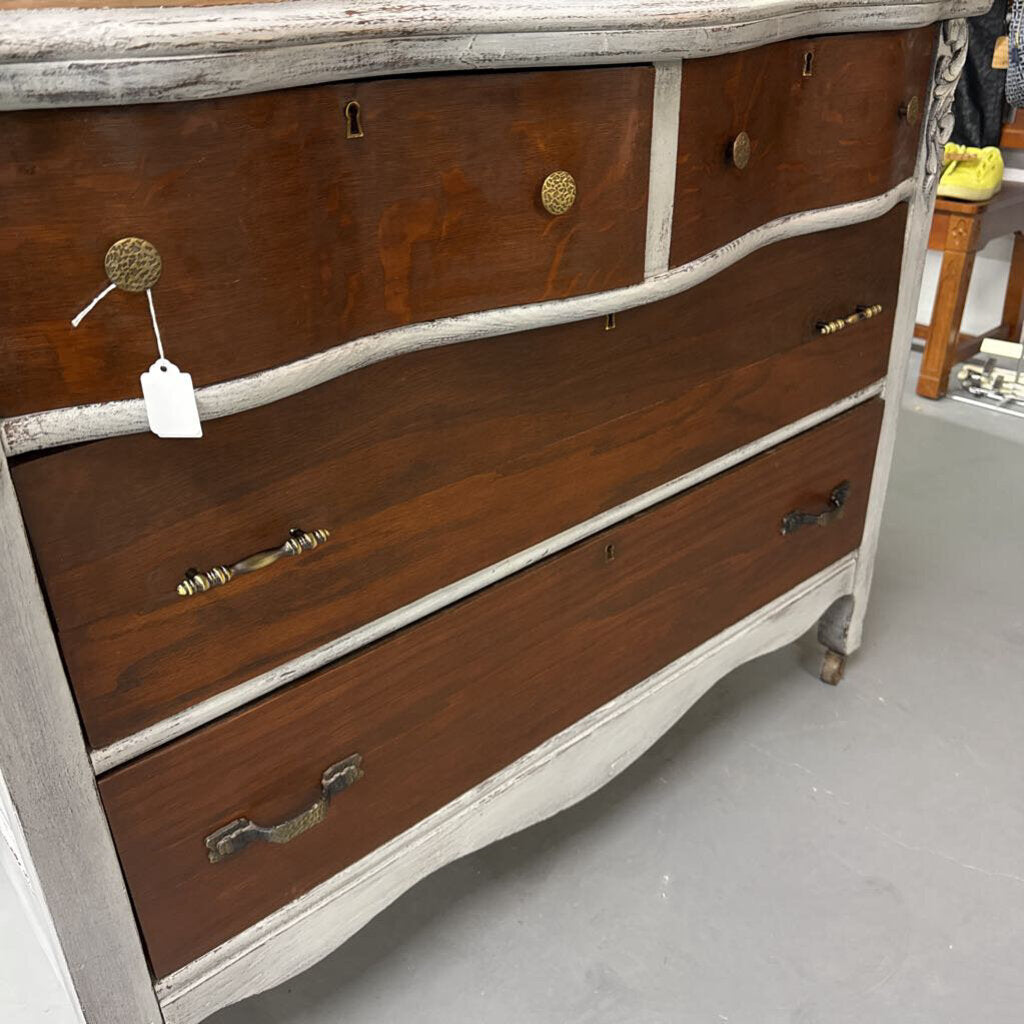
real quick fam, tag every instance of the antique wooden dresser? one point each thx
(408, 412)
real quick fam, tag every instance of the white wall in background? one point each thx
(988, 284)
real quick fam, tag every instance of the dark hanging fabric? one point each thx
(1015, 72)
(979, 103)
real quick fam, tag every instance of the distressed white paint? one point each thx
(550, 778)
(842, 628)
(54, 427)
(206, 711)
(661, 189)
(53, 818)
(87, 57)
(16, 863)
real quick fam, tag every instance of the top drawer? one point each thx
(280, 236)
(795, 126)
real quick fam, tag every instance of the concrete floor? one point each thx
(788, 853)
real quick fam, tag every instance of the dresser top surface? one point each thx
(534, 13)
(34, 29)
(74, 53)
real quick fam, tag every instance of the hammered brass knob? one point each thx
(133, 264)
(739, 151)
(911, 111)
(558, 193)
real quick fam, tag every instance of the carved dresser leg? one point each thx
(832, 667)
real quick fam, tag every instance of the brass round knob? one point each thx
(558, 193)
(739, 151)
(133, 264)
(911, 111)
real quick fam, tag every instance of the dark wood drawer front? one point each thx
(281, 237)
(426, 469)
(438, 708)
(833, 136)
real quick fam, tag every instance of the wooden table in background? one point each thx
(960, 229)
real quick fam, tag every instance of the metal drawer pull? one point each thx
(861, 313)
(836, 502)
(240, 833)
(196, 582)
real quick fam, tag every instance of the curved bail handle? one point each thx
(792, 521)
(238, 834)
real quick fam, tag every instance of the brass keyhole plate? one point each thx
(353, 120)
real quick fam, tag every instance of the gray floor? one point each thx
(789, 852)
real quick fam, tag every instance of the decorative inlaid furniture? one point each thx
(537, 391)
(961, 230)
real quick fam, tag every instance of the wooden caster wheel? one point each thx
(832, 668)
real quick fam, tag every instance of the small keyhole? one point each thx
(609, 322)
(609, 553)
(808, 64)
(353, 120)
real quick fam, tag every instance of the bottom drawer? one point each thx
(442, 705)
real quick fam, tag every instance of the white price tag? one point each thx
(170, 401)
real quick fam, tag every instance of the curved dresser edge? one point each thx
(60, 57)
(76, 424)
(552, 777)
(223, 703)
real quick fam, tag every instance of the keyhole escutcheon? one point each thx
(353, 120)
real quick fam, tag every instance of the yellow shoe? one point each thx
(972, 174)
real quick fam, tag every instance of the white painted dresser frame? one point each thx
(50, 814)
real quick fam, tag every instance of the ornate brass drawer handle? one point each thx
(792, 521)
(238, 834)
(834, 326)
(196, 582)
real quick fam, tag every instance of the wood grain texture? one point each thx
(834, 137)
(53, 57)
(422, 468)
(224, 702)
(57, 427)
(436, 709)
(553, 776)
(281, 237)
(53, 810)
